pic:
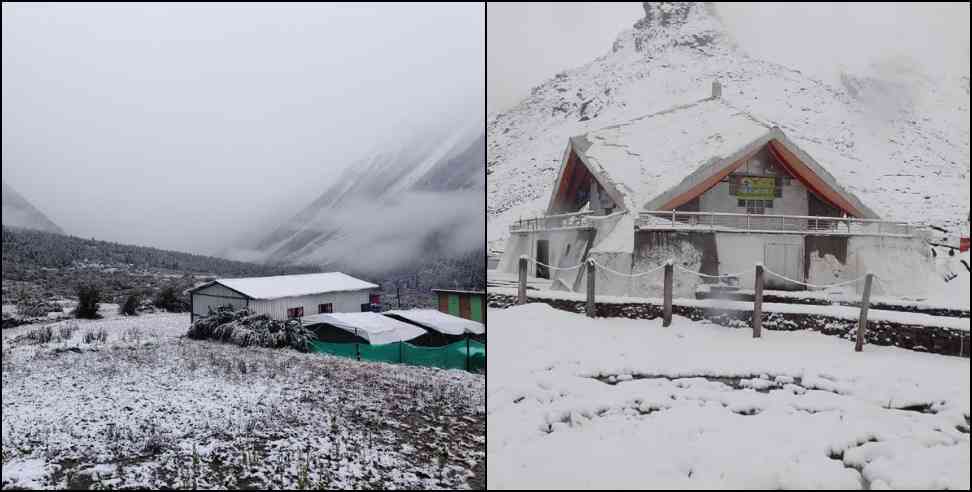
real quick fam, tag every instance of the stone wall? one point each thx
(813, 301)
(919, 338)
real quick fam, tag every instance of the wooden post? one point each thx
(669, 281)
(865, 304)
(758, 302)
(591, 273)
(521, 292)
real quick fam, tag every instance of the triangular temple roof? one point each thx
(662, 160)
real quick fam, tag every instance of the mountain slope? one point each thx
(18, 212)
(391, 209)
(896, 137)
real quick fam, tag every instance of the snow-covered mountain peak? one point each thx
(666, 24)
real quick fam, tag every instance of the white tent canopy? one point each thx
(441, 322)
(373, 327)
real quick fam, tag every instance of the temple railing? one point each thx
(576, 220)
(771, 223)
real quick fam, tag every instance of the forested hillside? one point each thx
(31, 248)
(40, 267)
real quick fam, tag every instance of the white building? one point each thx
(286, 296)
(717, 190)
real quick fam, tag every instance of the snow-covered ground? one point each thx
(146, 408)
(580, 403)
(955, 292)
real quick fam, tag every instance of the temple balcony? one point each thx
(576, 220)
(771, 224)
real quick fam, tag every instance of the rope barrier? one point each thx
(698, 274)
(725, 275)
(814, 286)
(567, 269)
(640, 274)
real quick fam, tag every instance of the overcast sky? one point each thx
(529, 43)
(182, 125)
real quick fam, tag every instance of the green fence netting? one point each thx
(459, 355)
(390, 352)
(447, 357)
(340, 349)
(477, 356)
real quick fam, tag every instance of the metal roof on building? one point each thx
(281, 286)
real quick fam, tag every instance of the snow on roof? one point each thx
(373, 327)
(645, 162)
(647, 156)
(440, 322)
(293, 285)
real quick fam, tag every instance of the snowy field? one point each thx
(126, 403)
(580, 403)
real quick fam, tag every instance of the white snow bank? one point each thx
(956, 291)
(25, 473)
(807, 412)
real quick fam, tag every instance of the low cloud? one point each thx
(188, 126)
(377, 237)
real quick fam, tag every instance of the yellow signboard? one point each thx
(754, 188)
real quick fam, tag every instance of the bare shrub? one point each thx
(168, 298)
(246, 329)
(32, 307)
(155, 440)
(132, 334)
(88, 299)
(65, 332)
(100, 336)
(44, 334)
(130, 307)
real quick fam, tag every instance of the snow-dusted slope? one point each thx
(388, 209)
(896, 138)
(18, 212)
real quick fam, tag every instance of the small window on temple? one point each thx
(325, 308)
(295, 312)
(755, 207)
